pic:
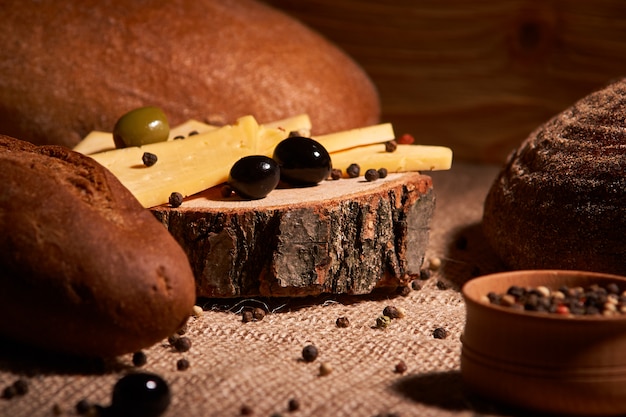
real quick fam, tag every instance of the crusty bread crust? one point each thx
(69, 67)
(560, 200)
(84, 268)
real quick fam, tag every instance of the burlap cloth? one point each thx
(259, 364)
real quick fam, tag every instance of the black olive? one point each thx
(254, 176)
(140, 395)
(302, 161)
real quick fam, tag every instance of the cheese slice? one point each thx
(404, 158)
(368, 135)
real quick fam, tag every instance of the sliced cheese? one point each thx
(96, 141)
(339, 141)
(404, 158)
(186, 166)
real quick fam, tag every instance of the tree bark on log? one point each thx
(344, 237)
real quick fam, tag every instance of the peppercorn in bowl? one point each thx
(550, 341)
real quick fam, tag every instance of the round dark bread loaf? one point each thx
(560, 200)
(69, 67)
(84, 268)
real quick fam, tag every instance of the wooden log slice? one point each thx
(344, 237)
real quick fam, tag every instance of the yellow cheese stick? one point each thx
(404, 158)
(369, 135)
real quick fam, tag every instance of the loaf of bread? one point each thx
(560, 200)
(69, 67)
(84, 268)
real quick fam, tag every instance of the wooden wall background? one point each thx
(475, 75)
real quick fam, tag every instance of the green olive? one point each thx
(140, 127)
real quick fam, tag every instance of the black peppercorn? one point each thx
(391, 146)
(176, 199)
(309, 353)
(149, 159)
(336, 174)
(247, 316)
(179, 137)
(21, 386)
(293, 405)
(182, 364)
(246, 410)
(83, 407)
(353, 171)
(440, 333)
(401, 367)
(182, 344)
(193, 133)
(342, 322)
(382, 172)
(139, 358)
(371, 174)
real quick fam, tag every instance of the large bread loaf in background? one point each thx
(560, 200)
(72, 66)
(84, 268)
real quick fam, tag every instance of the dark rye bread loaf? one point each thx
(84, 268)
(560, 200)
(69, 67)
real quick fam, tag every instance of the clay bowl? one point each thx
(544, 362)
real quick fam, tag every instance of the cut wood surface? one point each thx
(346, 236)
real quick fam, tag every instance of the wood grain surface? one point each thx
(477, 76)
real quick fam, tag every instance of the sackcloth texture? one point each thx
(258, 364)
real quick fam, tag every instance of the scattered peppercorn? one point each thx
(336, 174)
(416, 285)
(401, 367)
(382, 173)
(179, 137)
(246, 410)
(425, 274)
(172, 339)
(440, 333)
(406, 139)
(197, 311)
(293, 405)
(434, 264)
(309, 353)
(353, 171)
(182, 364)
(371, 174)
(342, 322)
(176, 199)
(149, 159)
(442, 285)
(393, 312)
(325, 369)
(247, 316)
(139, 358)
(258, 313)
(193, 133)
(182, 344)
(383, 322)
(391, 146)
